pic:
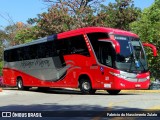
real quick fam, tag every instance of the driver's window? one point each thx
(107, 53)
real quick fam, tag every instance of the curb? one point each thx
(125, 91)
(135, 91)
(140, 91)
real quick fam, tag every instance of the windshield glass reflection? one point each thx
(132, 56)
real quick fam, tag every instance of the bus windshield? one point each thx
(132, 56)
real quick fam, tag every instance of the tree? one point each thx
(64, 15)
(148, 28)
(16, 31)
(120, 14)
(26, 34)
(3, 36)
(52, 22)
(75, 7)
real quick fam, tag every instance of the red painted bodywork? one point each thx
(83, 66)
(154, 49)
(115, 44)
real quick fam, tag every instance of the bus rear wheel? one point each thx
(20, 85)
(86, 87)
(113, 92)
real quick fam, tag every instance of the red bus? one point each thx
(92, 58)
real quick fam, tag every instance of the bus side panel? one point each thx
(79, 65)
(32, 81)
(8, 77)
(28, 80)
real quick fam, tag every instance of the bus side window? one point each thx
(93, 37)
(26, 55)
(33, 52)
(78, 45)
(6, 56)
(20, 54)
(72, 45)
(14, 55)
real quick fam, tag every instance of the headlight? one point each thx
(118, 75)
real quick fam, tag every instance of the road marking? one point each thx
(156, 107)
(111, 104)
(140, 91)
(110, 107)
(135, 91)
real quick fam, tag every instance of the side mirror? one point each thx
(115, 44)
(154, 49)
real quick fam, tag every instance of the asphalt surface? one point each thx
(71, 104)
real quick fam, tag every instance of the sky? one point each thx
(22, 10)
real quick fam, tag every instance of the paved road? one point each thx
(72, 100)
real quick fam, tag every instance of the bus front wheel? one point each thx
(113, 92)
(86, 87)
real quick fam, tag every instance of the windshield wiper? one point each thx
(132, 60)
(142, 65)
(136, 61)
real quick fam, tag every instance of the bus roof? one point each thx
(41, 40)
(94, 29)
(74, 33)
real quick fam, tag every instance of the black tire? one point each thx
(86, 87)
(113, 92)
(20, 85)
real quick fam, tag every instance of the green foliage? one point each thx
(148, 28)
(64, 15)
(25, 35)
(52, 22)
(120, 14)
(1, 66)
(3, 36)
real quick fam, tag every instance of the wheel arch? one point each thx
(19, 77)
(23, 87)
(85, 76)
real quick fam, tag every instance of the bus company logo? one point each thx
(6, 114)
(102, 69)
(34, 63)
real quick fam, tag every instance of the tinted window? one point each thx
(73, 45)
(93, 37)
(35, 51)
(107, 54)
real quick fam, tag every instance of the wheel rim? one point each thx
(20, 84)
(86, 86)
